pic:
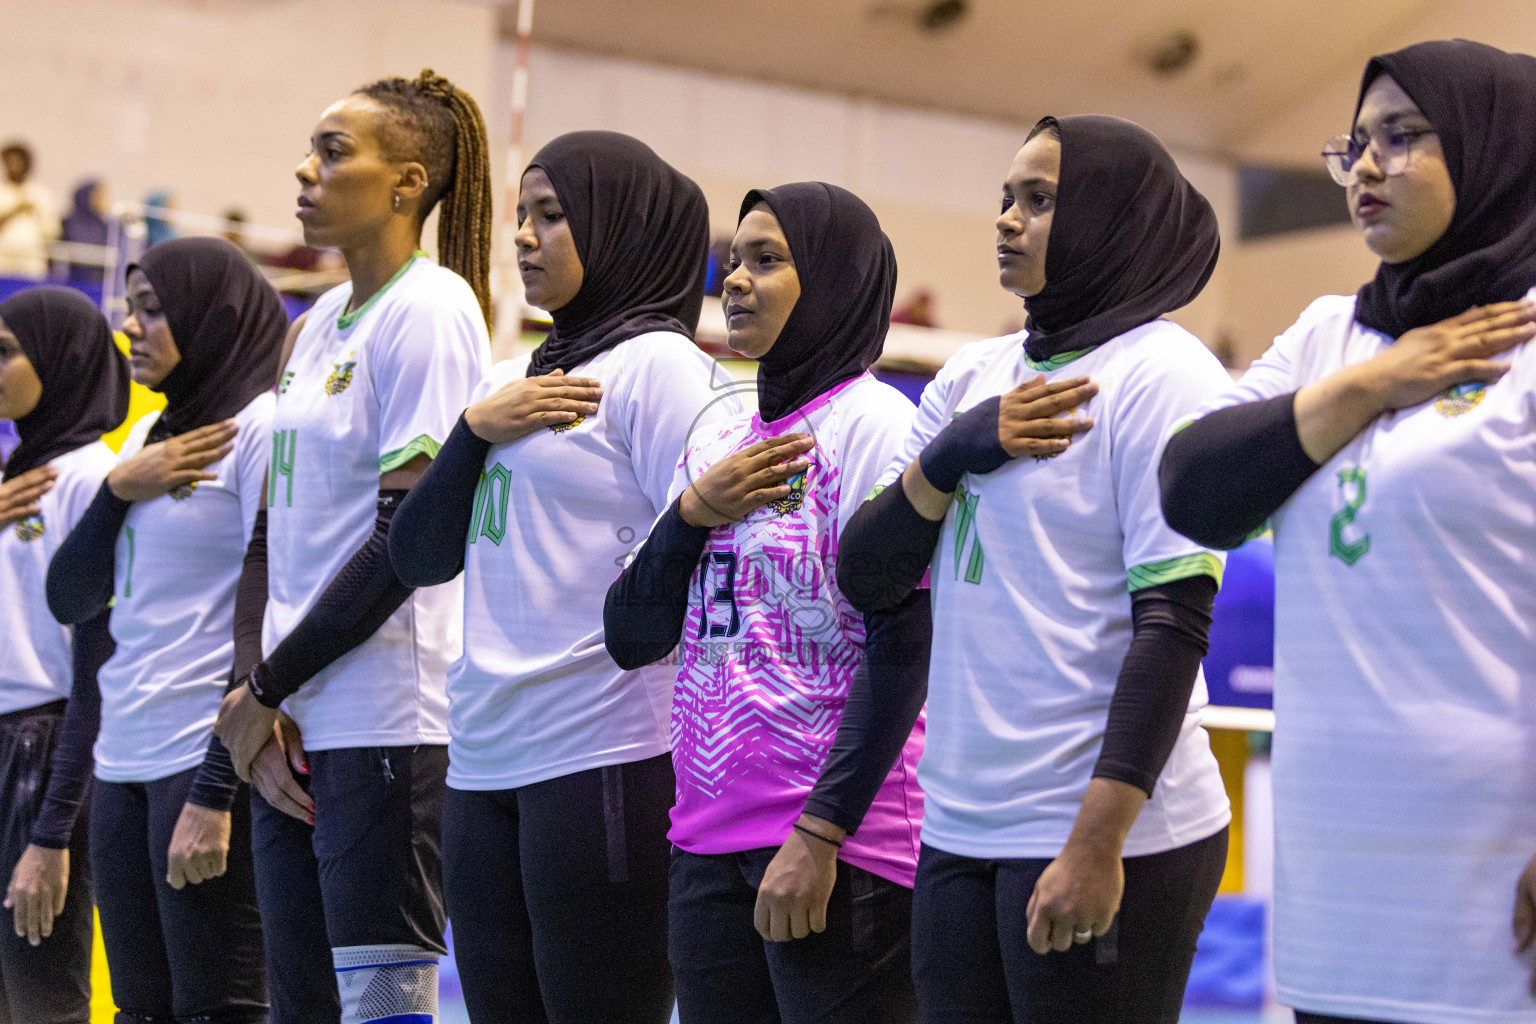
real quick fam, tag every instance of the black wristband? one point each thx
(259, 681)
(812, 832)
(968, 445)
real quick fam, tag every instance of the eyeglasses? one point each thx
(1389, 149)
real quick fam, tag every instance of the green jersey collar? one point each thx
(348, 319)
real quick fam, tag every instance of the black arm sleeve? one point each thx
(1225, 474)
(884, 551)
(69, 774)
(251, 599)
(1171, 626)
(645, 607)
(886, 696)
(427, 536)
(359, 600)
(80, 575)
(216, 785)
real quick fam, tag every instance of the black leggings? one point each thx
(858, 971)
(558, 896)
(972, 964)
(174, 954)
(49, 983)
(367, 873)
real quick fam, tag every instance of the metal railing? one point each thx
(127, 231)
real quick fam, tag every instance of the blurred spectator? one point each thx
(87, 225)
(157, 228)
(28, 216)
(234, 233)
(917, 310)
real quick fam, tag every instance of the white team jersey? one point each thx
(1032, 608)
(1405, 661)
(178, 562)
(363, 394)
(535, 695)
(34, 649)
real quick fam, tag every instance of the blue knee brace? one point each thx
(387, 984)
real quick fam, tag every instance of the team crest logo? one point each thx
(561, 428)
(1461, 399)
(30, 529)
(341, 376)
(184, 492)
(791, 502)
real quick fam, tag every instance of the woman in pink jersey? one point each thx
(797, 816)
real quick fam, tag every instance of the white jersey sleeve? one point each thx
(877, 431)
(680, 480)
(1176, 377)
(424, 371)
(253, 448)
(75, 490)
(1279, 371)
(675, 388)
(935, 409)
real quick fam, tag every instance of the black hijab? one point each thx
(642, 232)
(228, 325)
(1480, 101)
(84, 376)
(847, 276)
(1130, 241)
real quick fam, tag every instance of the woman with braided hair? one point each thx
(373, 380)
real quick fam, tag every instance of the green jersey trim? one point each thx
(348, 319)
(1181, 424)
(1140, 577)
(422, 445)
(1056, 362)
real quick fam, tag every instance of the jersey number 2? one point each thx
(1349, 553)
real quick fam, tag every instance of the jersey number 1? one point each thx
(965, 518)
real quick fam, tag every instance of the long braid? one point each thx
(464, 226)
(456, 153)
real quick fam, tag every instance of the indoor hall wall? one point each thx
(933, 178)
(1295, 133)
(212, 100)
(1271, 280)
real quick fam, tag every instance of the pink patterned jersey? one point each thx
(770, 646)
